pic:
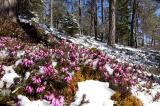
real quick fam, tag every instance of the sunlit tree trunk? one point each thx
(91, 16)
(112, 22)
(102, 10)
(95, 19)
(51, 13)
(102, 18)
(131, 43)
(80, 16)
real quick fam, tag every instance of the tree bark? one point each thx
(102, 10)
(136, 31)
(91, 16)
(102, 18)
(131, 43)
(51, 13)
(95, 19)
(8, 9)
(80, 15)
(112, 22)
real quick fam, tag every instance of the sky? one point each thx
(158, 12)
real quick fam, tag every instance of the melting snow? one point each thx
(24, 101)
(9, 75)
(97, 93)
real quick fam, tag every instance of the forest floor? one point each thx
(76, 71)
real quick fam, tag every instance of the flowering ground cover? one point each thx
(50, 75)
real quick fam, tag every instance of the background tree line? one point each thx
(127, 22)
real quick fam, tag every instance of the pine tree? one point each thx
(95, 19)
(31, 8)
(132, 39)
(51, 14)
(122, 22)
(112, 22)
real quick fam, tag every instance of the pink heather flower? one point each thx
(99, 63)
(68, 78)
(64, 69)
(40, 89)
(59, 53)
(48, 70)
(124, 74)
(27, 63)
(121, 71)
(27, 51)
(132, 82)
(17, 47)
(49, 97)
(59, 101)
(2, 45)
(55, 101)
(82, 50)
(13, 53)
(124, 79)
(106, 75)
(126, 70)
(40, 54)
(115, 80)
(103, 54)
(77, 68)
(36, 80)
(29, 89)
(73, 64)
(62, 60)
(63, 42)
(71, 45)
(116, 74)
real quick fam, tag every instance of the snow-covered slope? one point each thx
(145, 58)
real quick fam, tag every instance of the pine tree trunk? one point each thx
(102, 18)
(51, 13)
(112, 22)
(80, 16)
(131, 43)
(91, 23)
(136, 31)
(95, 19)
(91, 16)
(142, 41)
(8, 9)
(102, 10)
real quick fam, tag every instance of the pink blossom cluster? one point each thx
(40, 54)
(29, 89)
(27, 62)
(2, 45)
(54, 100)
(68, 78)
(36, 85)
(49, 70)
(122, 75)
(36, 80)
(59, 53)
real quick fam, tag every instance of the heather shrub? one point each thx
(9, 28)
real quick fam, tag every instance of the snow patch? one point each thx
(109, 69)
(24, 101)
(9, 75)
(97, 93)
